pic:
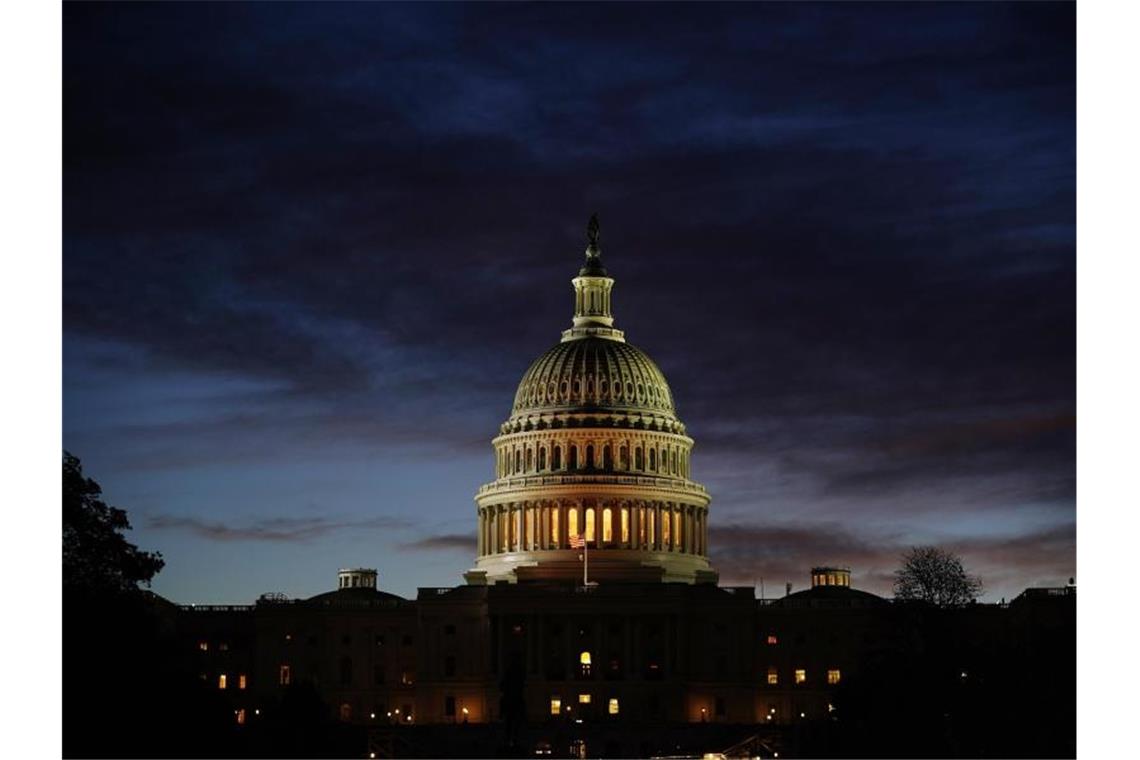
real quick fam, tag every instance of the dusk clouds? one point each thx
(310, 250)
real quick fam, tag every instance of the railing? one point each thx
(672, 484)
(216, 607)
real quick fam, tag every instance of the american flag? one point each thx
(577, 542)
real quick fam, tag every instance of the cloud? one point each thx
(275, 529)
(787, 552)
(458, 542)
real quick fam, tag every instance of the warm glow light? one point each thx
(583, 699)
(584, 658)
(204, 646)
(773, 677)
(240, 716)
(372, 716)
(241, 680)
(614, 706)
(285, 675)
(222, 681)
(801, 676)
(590, 524)
(833, 676)
(772, 639)
(464, 710)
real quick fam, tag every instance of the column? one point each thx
(479, 537)
(658, 543)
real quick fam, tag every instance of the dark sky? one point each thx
(309, 251)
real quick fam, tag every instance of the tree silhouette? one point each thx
(97, 558)
(935, 576)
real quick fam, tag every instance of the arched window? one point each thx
(638, 459)
(674, 461)
(607, 458)
(585, 664)
(652, 459)
(625, 525)
(590, 523)
(590, 457)
(554, 512)
(573, 457)
(557, 463)
(518, 460)
(678, 537)
(607, 525)
(624, 460)
(529, 458)
(572, 522)
(666, 534)
(542, 459)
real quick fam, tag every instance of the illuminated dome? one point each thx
(593, 451)
(597, 375)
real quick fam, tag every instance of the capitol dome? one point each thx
(593, 457)
(597, 375)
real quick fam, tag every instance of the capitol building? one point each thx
(594, 450)
(591, 622)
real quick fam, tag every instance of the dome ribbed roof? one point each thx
(594, 374)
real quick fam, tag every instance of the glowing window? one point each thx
(677, 537)
(572, 523)
(285, 675)
(241, 681)
(590, 524)
(665, 522)
(774, 676)
(584, 658)
(614, 707)
(554, 525)
(583, 699)
(555, 706)
(607, 525)
(652, 533)
(239, 716)
(222, 681)
(204, 646)
(772, 639)
(801, 676)
(833, 676)
(625, 525)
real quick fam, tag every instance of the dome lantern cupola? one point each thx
(592, 315)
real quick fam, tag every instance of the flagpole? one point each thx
(585, 563)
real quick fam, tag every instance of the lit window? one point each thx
(241, 681)
(285, 675)
(614, 708)
(607, 525)
(406, 678)
(833, 676)
(773, 677)
(222, 681)
(801, 676)
(583, 699)
(239, 715)
(772, 639)
(554, 523)
(584, 658)
(585, 663)
(625, 525)
(555, 706)
(204, 646)
(590, 524)
(572, 522)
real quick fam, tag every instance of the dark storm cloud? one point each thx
(286, 529)
(457, 542)
(845, 231)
